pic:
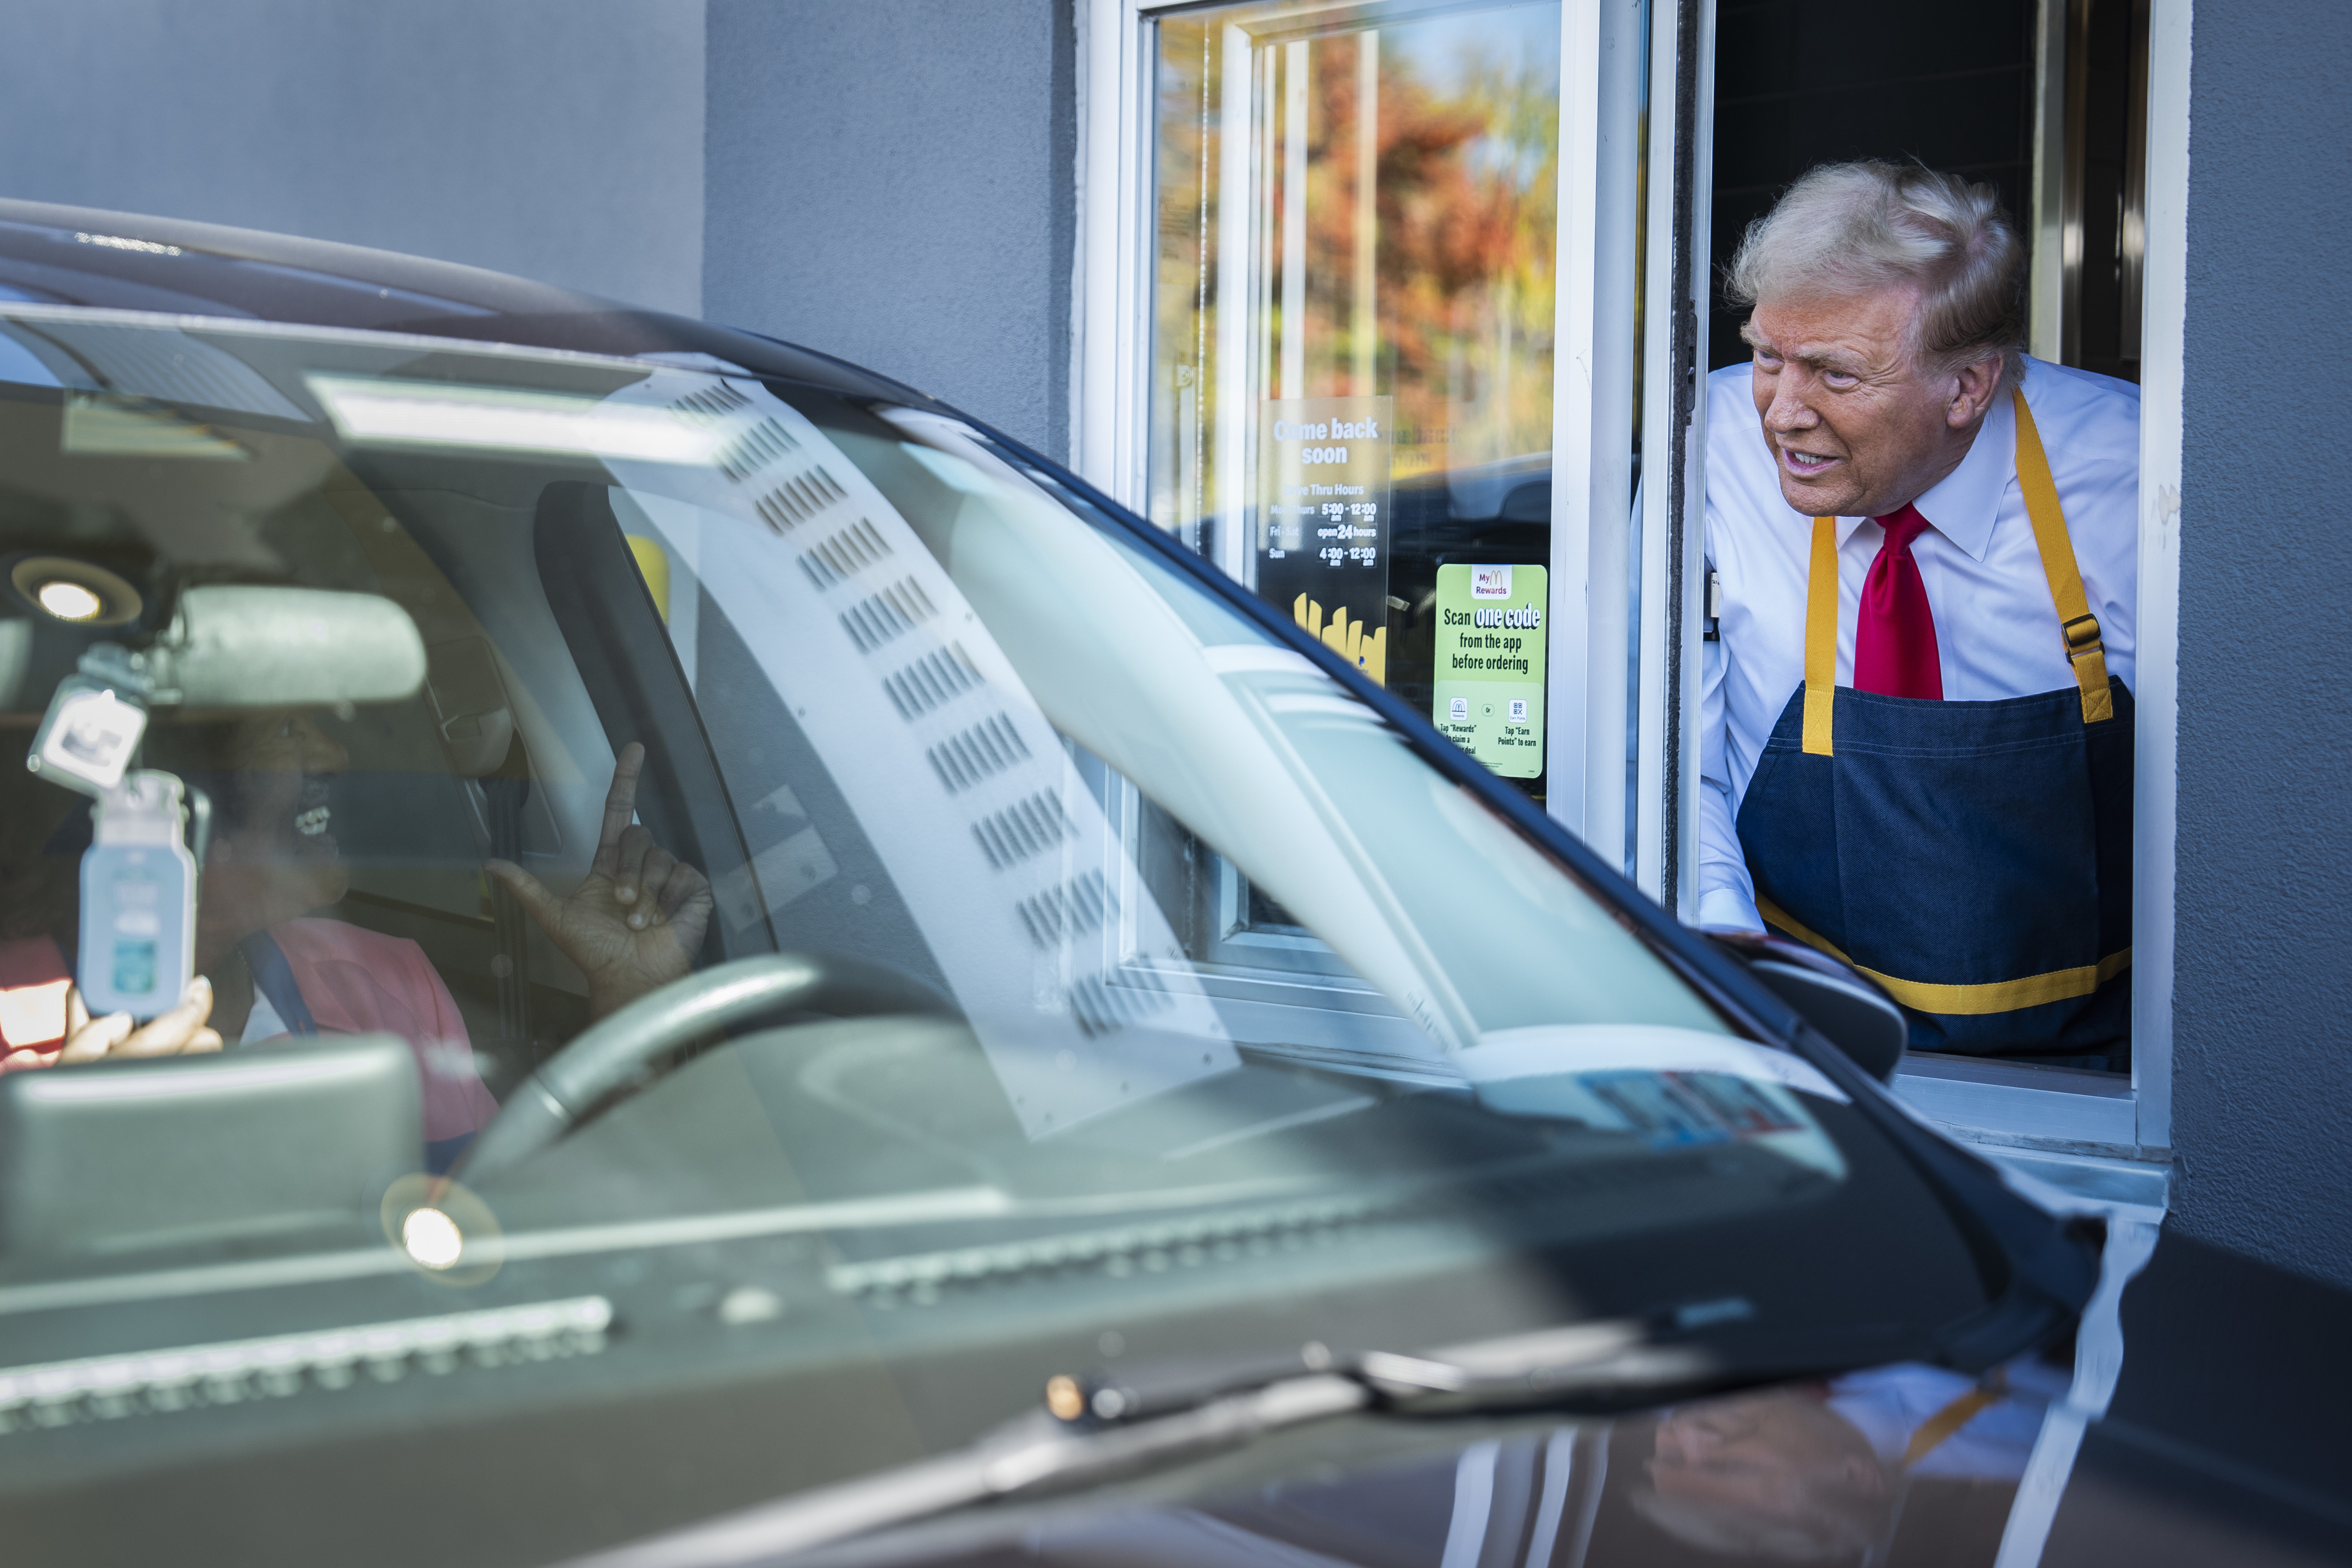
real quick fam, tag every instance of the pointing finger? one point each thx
(620, 805)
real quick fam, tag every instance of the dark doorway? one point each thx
(1800, 82)
(2106, 174)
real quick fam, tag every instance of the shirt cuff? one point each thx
(1727, 907)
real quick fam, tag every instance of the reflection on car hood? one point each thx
(1891, 1464)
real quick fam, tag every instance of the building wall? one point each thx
(557, 138)
(892, 182)
(2262, 1020)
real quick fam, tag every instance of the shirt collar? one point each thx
(1964, 505)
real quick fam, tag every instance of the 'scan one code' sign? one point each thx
(1489, 696)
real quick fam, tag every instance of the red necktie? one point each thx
(1894, 635)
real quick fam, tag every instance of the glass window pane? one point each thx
(1352, 369)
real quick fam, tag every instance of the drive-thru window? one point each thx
(1398, 313)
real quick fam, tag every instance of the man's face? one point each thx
(1857, 428)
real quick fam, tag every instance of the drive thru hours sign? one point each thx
(1489, 691)
(1323, 520)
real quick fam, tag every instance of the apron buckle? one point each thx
(2089, 657)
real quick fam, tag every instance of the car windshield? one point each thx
(774, 874)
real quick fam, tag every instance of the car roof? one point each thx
(125, 261)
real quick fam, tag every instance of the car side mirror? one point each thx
(1847, 1006)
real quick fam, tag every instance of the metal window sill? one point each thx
(2077, 1131)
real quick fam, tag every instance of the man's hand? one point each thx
(636, 920)
(118, 1036)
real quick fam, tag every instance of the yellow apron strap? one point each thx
(2076, 623)
(1820, 638)
(1945, 1424)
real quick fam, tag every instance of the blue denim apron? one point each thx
(1973, 857)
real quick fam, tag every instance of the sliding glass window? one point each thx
(1351, 377)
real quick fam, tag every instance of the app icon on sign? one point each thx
(1490, 582)
(1460, 710)
(1518, 710)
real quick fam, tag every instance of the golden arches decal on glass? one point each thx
(1345, 636)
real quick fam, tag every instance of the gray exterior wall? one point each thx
(892, 182)
(2262, 988)
(557, 138)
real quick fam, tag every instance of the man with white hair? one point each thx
(1917, 743)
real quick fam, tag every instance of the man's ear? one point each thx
(1973, 387)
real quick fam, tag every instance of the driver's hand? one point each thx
(181, 1032)
(637, 919)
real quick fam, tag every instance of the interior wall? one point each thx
(893, 182)
(2262, 998)
(557, 138)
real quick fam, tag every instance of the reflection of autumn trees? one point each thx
(1466, 202)
(1182, 400)
(1466, 199)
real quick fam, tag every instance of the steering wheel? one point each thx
(546, 1106)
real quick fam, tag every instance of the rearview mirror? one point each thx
(1859, 1018)
(234, 645)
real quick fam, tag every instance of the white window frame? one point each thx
(1988, 1102)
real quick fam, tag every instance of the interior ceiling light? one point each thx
(69, 600)
(76, 591)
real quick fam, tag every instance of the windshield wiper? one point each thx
(1100, 1427)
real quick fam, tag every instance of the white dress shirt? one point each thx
(1888, 1405)
(1995, 628)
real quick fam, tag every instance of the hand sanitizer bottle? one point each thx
(137, 899)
